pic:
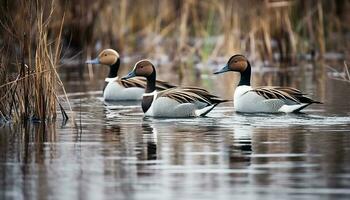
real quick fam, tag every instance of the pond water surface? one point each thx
(111, 152)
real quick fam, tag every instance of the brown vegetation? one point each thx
(152, 27)
(212, 28)
(341, 76)
(29, 80)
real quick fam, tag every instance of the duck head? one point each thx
(106, 57)
(142, 68)
(237, 63)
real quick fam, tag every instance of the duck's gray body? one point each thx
(247, 100)
(121, 90)
(166, 107)
(270, 99)
(162, 106)
(116, 92)
(176, 102)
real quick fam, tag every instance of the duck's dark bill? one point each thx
(94, 61)
(223, 70)
(130, 75)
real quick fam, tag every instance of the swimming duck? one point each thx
(117, 89)
(268, 99)
(179, 102)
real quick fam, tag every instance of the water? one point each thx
(118, 154)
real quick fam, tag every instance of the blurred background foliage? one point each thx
(269, 30)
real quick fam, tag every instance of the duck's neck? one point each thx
(245, 76)
(113, 69)
(147, 100)
(151, 82)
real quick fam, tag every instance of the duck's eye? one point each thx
(236, 61)
(105, 54)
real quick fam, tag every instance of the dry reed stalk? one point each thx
(267, 39)
(320, 29)
(291, 38)
(346, 69)
(231, 25)
(183, 37)
(33, 95)
(344, 76)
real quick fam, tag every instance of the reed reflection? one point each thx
(27, 147)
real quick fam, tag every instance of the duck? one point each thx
(265, 99)
(177, 102)
(116, 89)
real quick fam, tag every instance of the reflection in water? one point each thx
(23, 149)
(150, 138)
(121, 155)
(221, 156)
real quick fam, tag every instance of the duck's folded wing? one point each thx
(283, 93)
(133, 82)
(142, 83)
(163, 85)
(190, 95)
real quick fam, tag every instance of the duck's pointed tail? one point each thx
(293, 108)
(301, 107)
(204, 111)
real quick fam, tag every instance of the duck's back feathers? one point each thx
(142, 83)
(191, 95)
(133, 82)
(288, 94)
(162, 85)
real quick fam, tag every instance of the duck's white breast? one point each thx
(245, 101)
(150, 112)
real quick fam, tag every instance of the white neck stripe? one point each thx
(150, 94)
(111, 79)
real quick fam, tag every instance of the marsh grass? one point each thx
(272, 30)
(343, 75)
(29, 82)
(276, 31)
(346, 70)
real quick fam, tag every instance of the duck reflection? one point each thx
(122, 103)
(111, 133)
(150, 139)
(241, 147)
(115, 109)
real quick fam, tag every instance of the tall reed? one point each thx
(31, 59)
